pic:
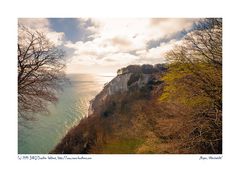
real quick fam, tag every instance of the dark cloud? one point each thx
(133, 52)
(74, 29)
(157, 42)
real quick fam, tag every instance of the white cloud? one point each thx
(116, 42)
(165, 27)
(140, 30)
(115, 39)
(42, 25)
(56, 37)
(35, 23)
(157, 54)
(119, 58)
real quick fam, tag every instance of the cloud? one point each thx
(161, 50)
(35, 23)
(157, 42)
(119, 58)
(120, 42)
(43, 25)
(156, 54)
(75, 29)
(171, 24)
(158, 21)
(108, 44)
(94, 49)
(56, 37)
(165, 28)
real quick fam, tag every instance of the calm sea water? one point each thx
(42, 135)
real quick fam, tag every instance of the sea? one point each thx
(40, 136)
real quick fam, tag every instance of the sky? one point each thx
(103, 45)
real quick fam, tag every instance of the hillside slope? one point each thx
(128, 117)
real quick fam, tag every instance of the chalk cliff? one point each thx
(114, 114)
(133, 77)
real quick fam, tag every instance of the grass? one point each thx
(123, 146)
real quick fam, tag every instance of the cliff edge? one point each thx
(118, 117)
(129, 117)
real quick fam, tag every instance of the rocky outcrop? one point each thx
(119, 113)
(132, 77)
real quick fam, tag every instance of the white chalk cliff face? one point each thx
(120, 83)
(132, 77)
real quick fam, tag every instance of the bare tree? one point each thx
(40, 72)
